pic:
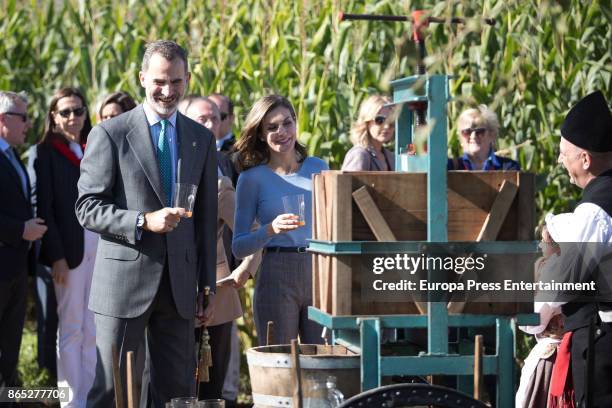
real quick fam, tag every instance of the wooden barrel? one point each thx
(270, 372)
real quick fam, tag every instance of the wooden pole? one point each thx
(295, 374)
(117, 379)
(130, 379)
(270, 333)
(478, 355)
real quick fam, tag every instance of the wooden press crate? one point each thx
(402, 200)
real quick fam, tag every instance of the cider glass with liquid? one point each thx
(294, 204)
(184, 197)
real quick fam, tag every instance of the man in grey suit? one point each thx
(151, 260)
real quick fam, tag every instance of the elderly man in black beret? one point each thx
(586, 153)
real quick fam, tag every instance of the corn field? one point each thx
(539, 59)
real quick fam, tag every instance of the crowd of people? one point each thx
(120, 266)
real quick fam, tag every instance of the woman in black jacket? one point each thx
(67, 248)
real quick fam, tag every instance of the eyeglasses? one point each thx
(224, 116)
(379, 120)
(65, 113)
(23, 116)
(204, 119)
(479, 131)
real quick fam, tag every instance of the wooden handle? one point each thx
(130, 380)
(295, 374)
(117, 379)
(270, 333)
(478, 355)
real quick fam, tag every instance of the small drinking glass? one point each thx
(184, 402)
(294, 204)
(184, 197)
(211, 403)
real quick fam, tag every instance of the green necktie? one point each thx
(164, 159)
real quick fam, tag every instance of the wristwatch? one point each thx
(140, 221)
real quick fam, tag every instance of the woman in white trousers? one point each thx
(67, 248)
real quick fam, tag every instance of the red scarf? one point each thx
(65, 151)
(561, 391)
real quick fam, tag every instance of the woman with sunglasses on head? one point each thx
(114, 105)
(274, 164)
(67, 248)
(374, 128)
(478, 130)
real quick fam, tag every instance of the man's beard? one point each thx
(163, 109)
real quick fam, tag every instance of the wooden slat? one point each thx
(329, 199)
(526, 209)
(372, 214)
(490, 229)
(379, 226)
(497, 215)
(478, 358)
(342, 215)
(342, 211)
(326, 263)
(296, 374)
(341, 286)
(316, 232)
(323, 293)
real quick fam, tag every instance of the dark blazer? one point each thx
(228, 145)
(227, 167)
(226, 156)
(57, 193)
(119, 179)
(15, 210)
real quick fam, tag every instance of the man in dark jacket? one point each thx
(19, 230)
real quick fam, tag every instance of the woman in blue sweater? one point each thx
(275, 165)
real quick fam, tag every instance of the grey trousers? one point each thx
(283, 292)
(171, 345)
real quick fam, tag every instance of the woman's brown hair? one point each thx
(123, 99)
(251, 150)
(49, 132)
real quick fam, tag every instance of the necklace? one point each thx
(291, 170)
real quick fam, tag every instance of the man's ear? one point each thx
(587, 160)
(141, 77)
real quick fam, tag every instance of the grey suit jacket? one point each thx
(120, 178)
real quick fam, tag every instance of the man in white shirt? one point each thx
(586, 153)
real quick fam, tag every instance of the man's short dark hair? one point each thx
(167, 49)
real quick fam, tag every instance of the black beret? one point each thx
(588, 124)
